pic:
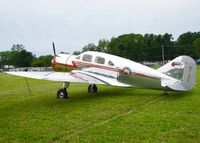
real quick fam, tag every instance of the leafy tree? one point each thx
(42, 61)
(184, 44)
(76, 52)
(102, 45)
(89, 47)
(168, 46)
(17, 47)
(129, 46)
(19, 57)
(196, 45)
(4, 59)
(148, 47)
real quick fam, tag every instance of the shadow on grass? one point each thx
(81, 97)
(114, 92)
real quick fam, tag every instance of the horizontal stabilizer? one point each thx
(174, 85)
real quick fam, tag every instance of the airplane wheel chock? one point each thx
(62, 93)
(92, 88)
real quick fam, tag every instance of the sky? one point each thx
(72, 24)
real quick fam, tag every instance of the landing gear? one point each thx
(165, 93)
(62, 93)
(92, 88)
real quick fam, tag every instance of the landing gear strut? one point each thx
(62, 93)
(92, 88)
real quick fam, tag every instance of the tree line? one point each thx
(19, 57)
(148, 47)
(137, 47)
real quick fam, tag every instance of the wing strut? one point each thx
(27, 85)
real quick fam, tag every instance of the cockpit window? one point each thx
(99, 60)
(78, 58)
(87, 58)
(110, 63)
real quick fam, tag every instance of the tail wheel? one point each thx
(92, 88)
(62, 93)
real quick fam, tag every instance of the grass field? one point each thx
(112, 115)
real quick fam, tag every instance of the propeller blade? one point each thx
(54, 49)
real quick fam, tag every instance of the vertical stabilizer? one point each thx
(182, 68)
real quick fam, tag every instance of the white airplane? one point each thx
(101, 68)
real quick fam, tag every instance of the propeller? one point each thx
(53, 62)
(54, 49)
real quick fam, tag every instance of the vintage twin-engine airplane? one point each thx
(100, 68)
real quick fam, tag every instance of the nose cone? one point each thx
(62, 62)
(53, 62)
(60, 59)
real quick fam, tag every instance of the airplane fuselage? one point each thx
(125, 71)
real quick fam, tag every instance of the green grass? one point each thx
(112, 115)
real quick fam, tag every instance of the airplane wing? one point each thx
(74, 76)
(92, 77)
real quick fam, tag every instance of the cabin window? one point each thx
(78, 58)
(87, 58)
(110, 63)
(99, 60)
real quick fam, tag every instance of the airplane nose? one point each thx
(62, 62)
(53, 62)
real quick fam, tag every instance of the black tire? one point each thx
(62, 93)
(92, 88)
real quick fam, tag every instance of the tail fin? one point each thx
(182, 68)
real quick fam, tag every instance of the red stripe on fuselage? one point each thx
(116, 70)
(98, 66)
(75, 63)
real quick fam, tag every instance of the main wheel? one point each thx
(62, 93)
(92, 88)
